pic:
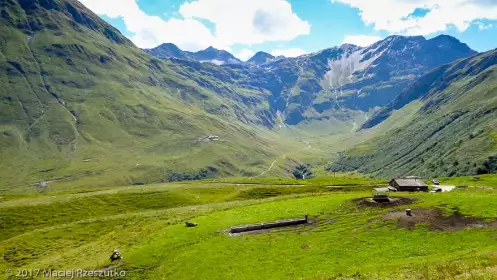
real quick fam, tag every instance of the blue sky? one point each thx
(295, 27)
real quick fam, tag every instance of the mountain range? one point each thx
(212, 55)
(81, 105)
(341, 85)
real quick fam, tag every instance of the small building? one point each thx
(409, 184)
(381, 195)
(213, 137)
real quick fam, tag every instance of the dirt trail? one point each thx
(308, 144)
(354, 127)
(269, 169)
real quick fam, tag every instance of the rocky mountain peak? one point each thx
(348, 46)
(216, 56)
(261, 58)
(446, 42)
(167, 50)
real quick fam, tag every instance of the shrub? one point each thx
(302, 172)
(489, 166)
(178, 177)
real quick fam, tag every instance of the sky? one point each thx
(295, 27)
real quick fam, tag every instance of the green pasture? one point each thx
(345, 241)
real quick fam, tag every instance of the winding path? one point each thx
(269, 169)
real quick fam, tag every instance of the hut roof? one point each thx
(407, 182)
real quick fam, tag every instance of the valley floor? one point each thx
(452, 235)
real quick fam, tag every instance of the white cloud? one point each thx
(361, 40)
(248, 22)
(235, 21)
(150, 31)
(245, 54)
(395, 16)
(293, 52)
(483, 26)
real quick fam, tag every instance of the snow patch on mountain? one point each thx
(214, 61)
(342, 70)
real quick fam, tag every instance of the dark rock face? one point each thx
(32, 5)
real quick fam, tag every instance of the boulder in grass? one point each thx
(190, 224)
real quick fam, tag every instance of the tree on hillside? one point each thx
(302, 171)
(489, 166)
(184, 176)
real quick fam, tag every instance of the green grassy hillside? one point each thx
(83, 107)
(447, 128)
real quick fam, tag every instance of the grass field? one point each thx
(480, 180)
(78, 230)
(340, 180)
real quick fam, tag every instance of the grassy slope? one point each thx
(88, 111)
(340, 180)
(481, 180)
(147, 225)
(446, 131)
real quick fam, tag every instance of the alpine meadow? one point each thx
(351, 162)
